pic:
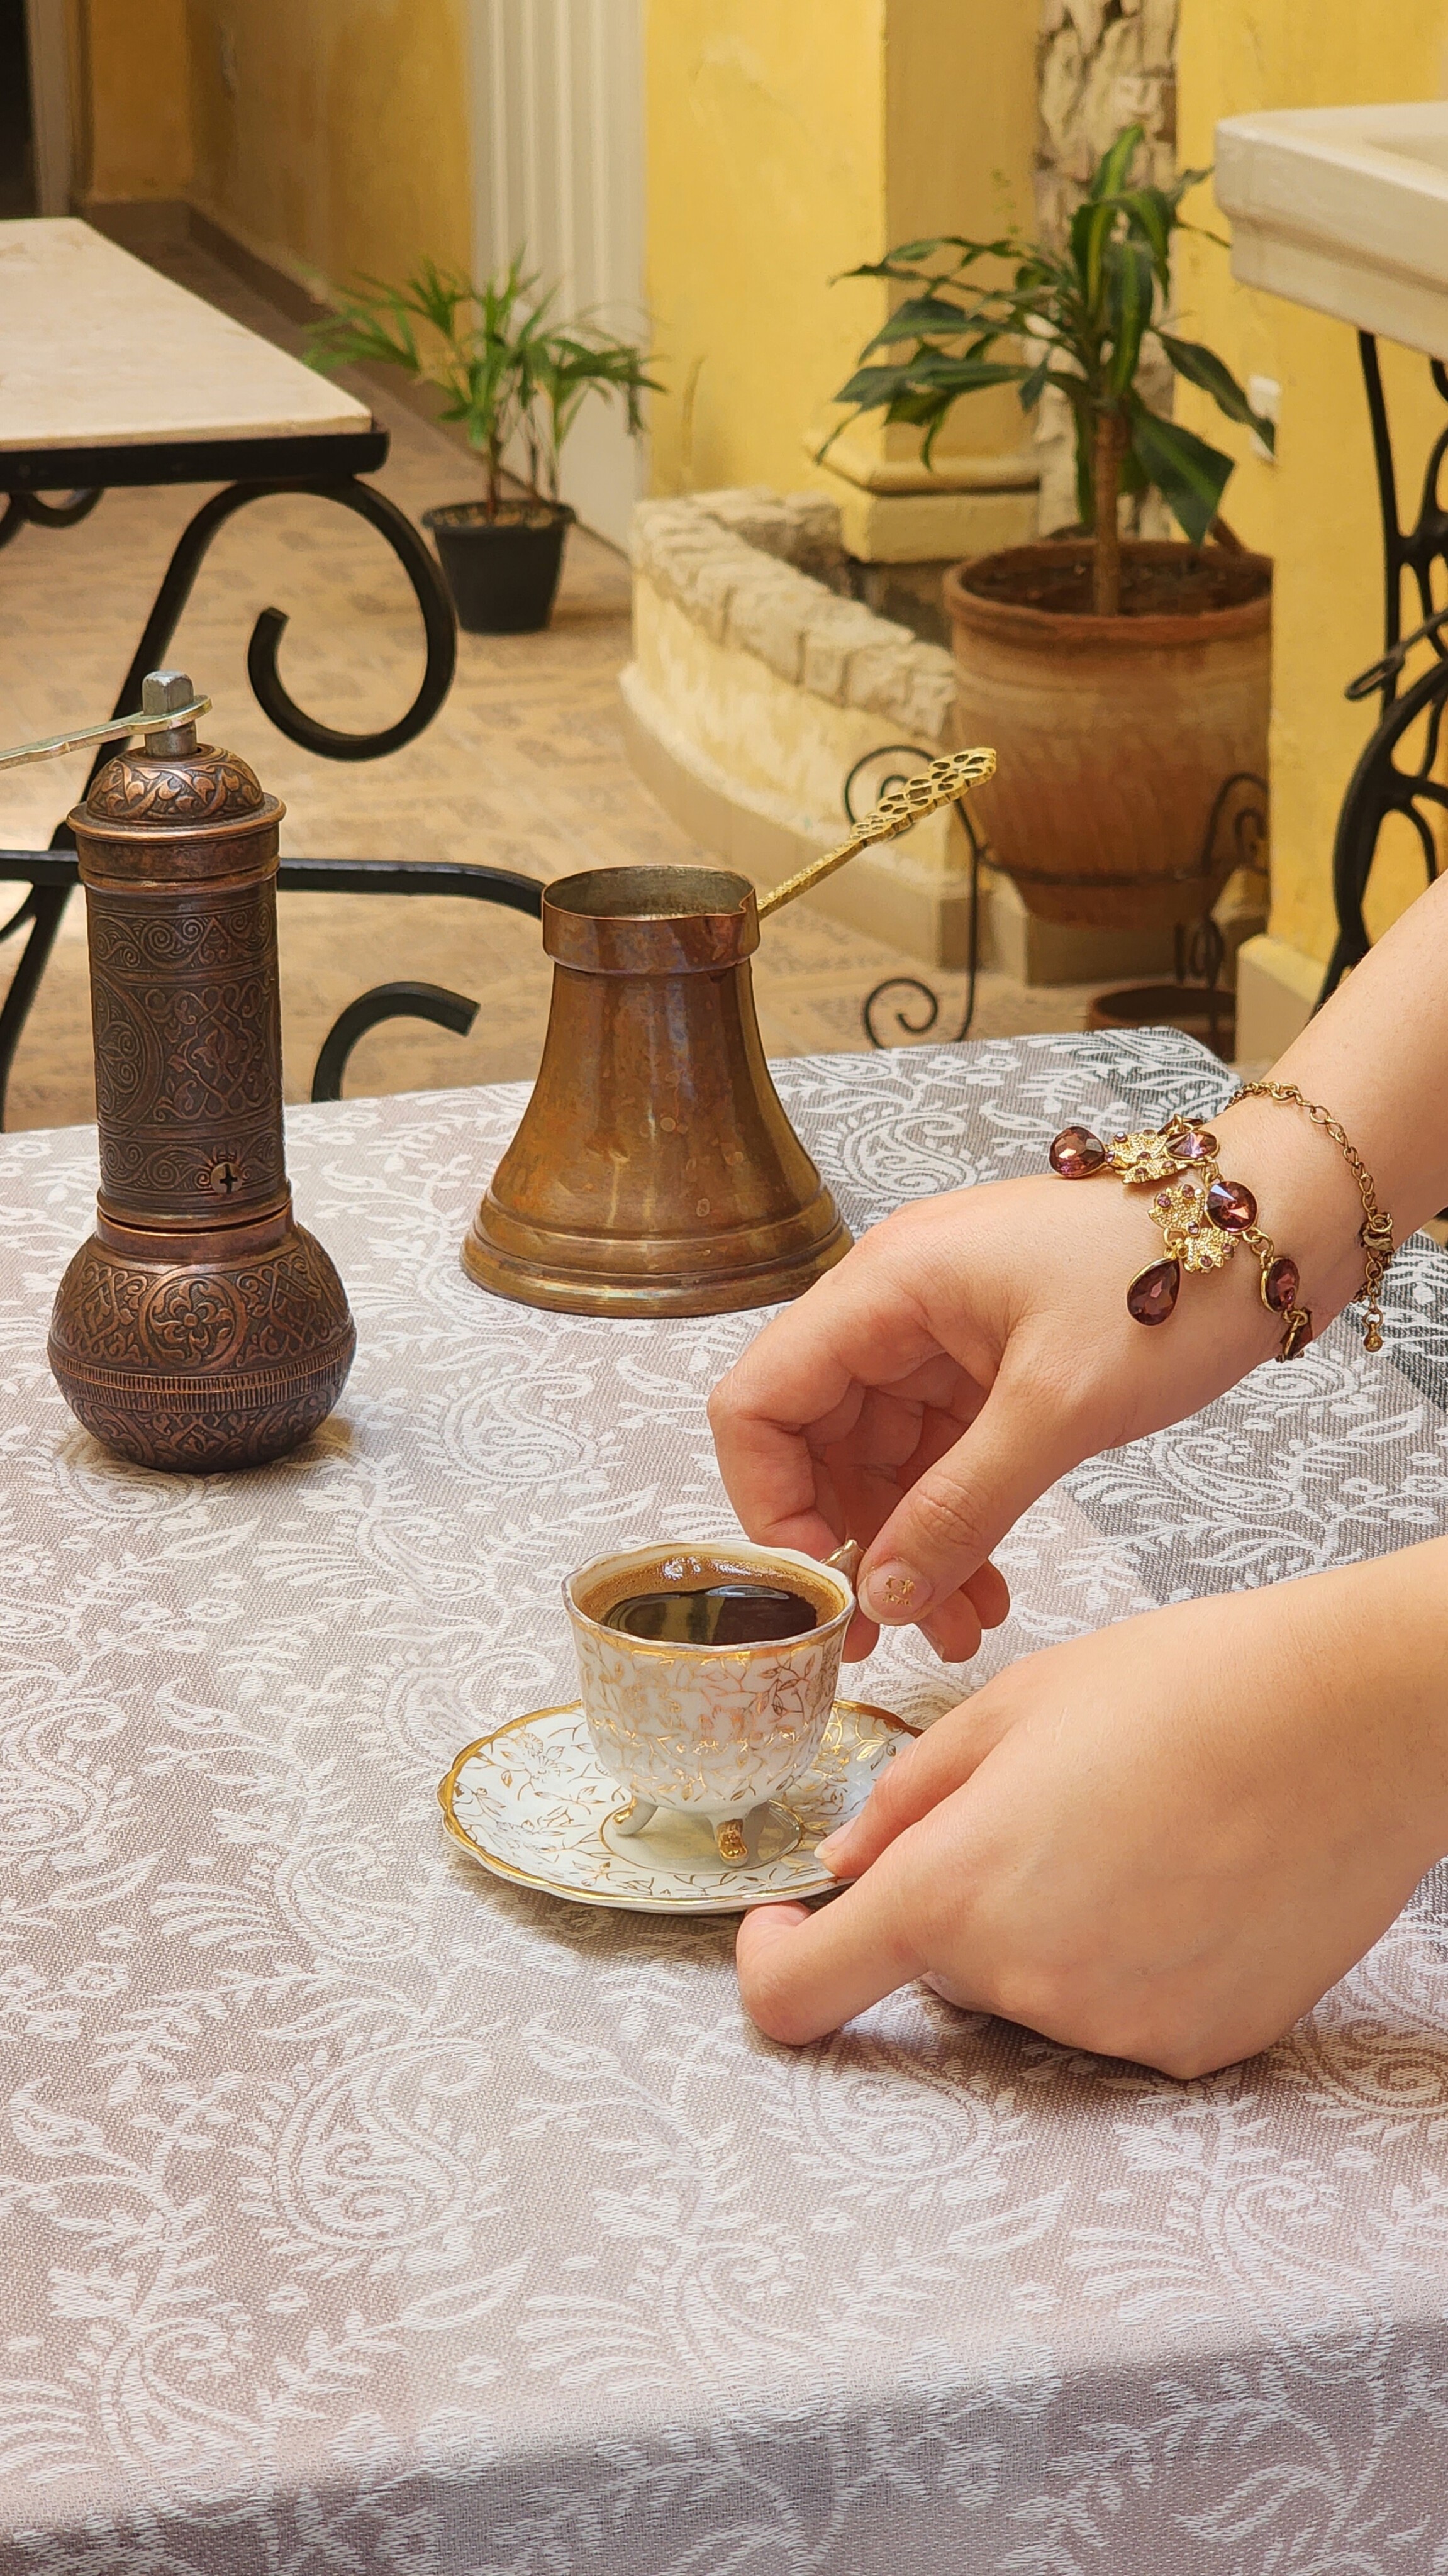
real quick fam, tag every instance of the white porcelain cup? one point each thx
(708, 1731)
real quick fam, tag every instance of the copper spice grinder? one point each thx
(199, 1327)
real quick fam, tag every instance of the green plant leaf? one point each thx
(506, 368)
(1204, 368)
(1114, 166)
(1090, 229)
(868, 387)
(1150, 213)
(969, 247)
(924, 314)
(1185, 181)
(932, 370)
(1130, 283)
(1090, 305)
(1190, 476)
(1094, 222)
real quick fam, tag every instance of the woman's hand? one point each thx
(969, 1351)
(961, 1357)
(1163, 1842)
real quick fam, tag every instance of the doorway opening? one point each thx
(17, 141)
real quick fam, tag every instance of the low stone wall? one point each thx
(757, 682)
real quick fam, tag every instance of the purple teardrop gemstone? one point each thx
(1153, 1292)
(1231, 1206)
(1280, 1286)
(1076, 1154)
(1194, 1148)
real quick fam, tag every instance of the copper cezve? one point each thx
(655, 1171)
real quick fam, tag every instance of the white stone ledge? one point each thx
(732, 561)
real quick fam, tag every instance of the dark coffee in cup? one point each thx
(696, 1597)
(715, 1614)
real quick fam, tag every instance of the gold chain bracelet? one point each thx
(1376, 1232)
(1204, 1217)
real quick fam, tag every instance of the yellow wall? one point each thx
(789, 140)
(1315, 511)
(960, 137)
(135, 138)
(331, 136)
(766, 174)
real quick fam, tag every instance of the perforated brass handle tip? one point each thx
(943, 783)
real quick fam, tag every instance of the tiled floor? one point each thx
(524, 766)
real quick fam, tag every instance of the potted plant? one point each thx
(517, 379)
(1121, 681)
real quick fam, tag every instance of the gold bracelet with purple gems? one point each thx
(1202, 1218)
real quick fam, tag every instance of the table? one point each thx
(112, 374)
(364, 2213)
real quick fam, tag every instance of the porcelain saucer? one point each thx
(531, 1803)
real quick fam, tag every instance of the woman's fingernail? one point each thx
(891, 1593)
(834, 1846)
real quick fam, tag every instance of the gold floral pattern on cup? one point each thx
(708, 1731)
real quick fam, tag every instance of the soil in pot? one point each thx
(1057, 579)
(502, 572)
(1113, 735)
(1210, 1017)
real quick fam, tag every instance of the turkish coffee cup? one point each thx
(710, 1729)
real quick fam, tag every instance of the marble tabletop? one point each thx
(99, 350)
(362, 2213)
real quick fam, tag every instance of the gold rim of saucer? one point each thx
(736, 1903)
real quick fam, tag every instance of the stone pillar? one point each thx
(1102, 64)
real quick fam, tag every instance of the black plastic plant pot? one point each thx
(503, 572)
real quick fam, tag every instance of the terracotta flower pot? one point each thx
(1113, 735)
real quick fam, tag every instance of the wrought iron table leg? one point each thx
(1378, 786)
(43, 908)
(26, 509)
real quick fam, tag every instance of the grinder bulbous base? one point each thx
(201, 1366)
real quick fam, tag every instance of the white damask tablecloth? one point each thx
(361, 2213)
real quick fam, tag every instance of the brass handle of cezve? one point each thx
(941, 784)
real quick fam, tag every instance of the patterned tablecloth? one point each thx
(361, 2213)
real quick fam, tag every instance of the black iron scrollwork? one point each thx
(44, 905)
(53, 874)
(1240, 804)
(428, 588)
(1379, 786)
(28, 508)
(399, 1001)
